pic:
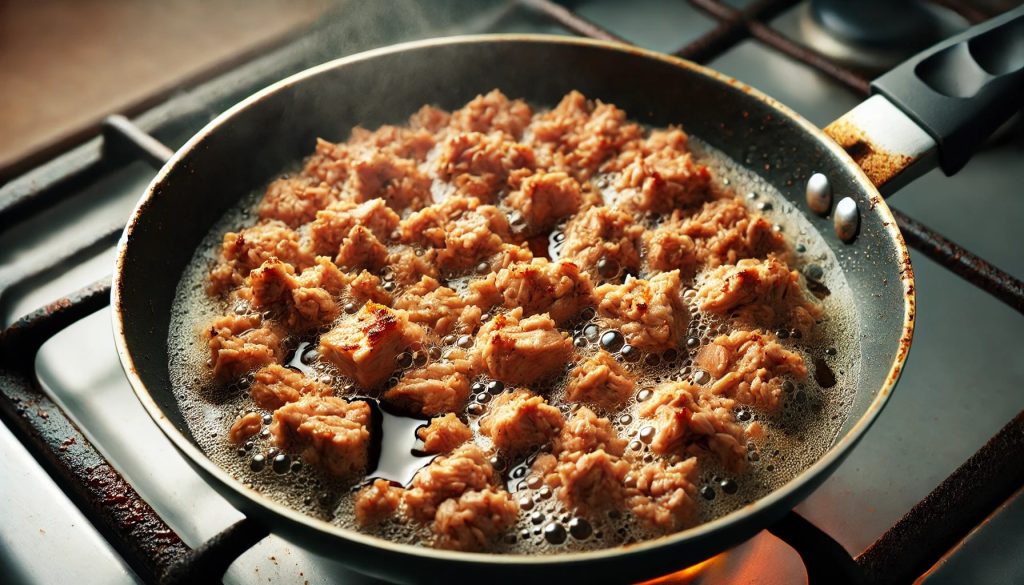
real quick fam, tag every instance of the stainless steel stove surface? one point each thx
(962, 383)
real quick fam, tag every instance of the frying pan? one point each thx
(934, 109)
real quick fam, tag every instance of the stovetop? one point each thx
(961, 384)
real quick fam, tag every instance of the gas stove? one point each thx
(92, 491)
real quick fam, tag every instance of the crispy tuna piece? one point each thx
(523, 351)
(394, 141)
(761, 293)
(592, 483)
(397, 181)
(556, 288)
(409, 266)
(687, 421)
(478, 165)
(660, 175)
(726, 231)
(585, 432)
(427, 226)
(601, 381)
(473, 237)
(361, 250)
(245, 427)
(444, 434)
(240, 344)
(328, 164)
(448, 476)
(492, 112)
(366, 287)
(603, 241)
(545, 198)
(377, 502)
(651, 314)
(520, 421)
(276, 385)
(331, 432)
(577, 136)
(443, 310)
(335, 222)
(249, 248)
(474, 520)
(665, 495)
(364, 346)
(274, 287)
(750, 366)
(438, 387)
(295, 201)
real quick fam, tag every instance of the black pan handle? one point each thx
(208, 563)
(961, 90)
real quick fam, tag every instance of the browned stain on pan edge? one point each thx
(879, 164)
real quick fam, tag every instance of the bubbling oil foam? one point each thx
(793, 439)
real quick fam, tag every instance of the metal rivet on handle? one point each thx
(847, 219)
(819, 194)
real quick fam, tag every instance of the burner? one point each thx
(875, 35)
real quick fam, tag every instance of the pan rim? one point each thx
(820, 469)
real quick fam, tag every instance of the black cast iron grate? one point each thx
(155, 552)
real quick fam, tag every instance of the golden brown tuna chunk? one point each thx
(726, 232)
(603, 241)
(665, 494)
(438, 387)
(331, 432)
(249, 248)
(577, 136)
(661, 175)
(473, 237)
(750, 366)
(448, 476)
(402, 143)
(427, 226)
(364, 347)
(443, 310)
(492, 112)
(276, 385)
(408, 266)
(759, 292)
(444, 434)
(685, 420)
(556, 288)
(592, 483)
(651, 314)
(240, 344)
(523, 351)
(295, 201)
(545, 198)
(336, 221)
(520, 421)
(585, 432)
(600, 380)
(395, 180)
(328, 164)
(274, 287)
(377, 502)
(479, 165)
(361, 250)
(474, 520)
(246, 426)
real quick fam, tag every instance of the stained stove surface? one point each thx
(962, 383)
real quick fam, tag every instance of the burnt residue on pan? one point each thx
(879, 164)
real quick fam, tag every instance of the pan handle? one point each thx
(938, 107)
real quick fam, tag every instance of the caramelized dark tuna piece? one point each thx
(364, 347)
